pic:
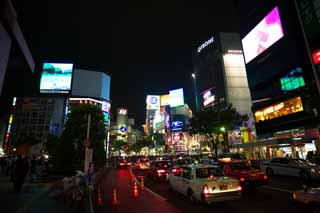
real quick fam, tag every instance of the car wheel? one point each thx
(269, 172)
(305, 176)
(191, 197)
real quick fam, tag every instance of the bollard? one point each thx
(114, 197)
(135, 190)
(99, 201)
(142, 183)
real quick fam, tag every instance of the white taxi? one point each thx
(205, 183)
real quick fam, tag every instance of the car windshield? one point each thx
(209, 172)
(239, 166)
(163, 164)
(302, 162)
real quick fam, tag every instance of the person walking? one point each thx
(20, 170)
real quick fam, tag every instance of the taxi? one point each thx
(241, 169)
(204, 183)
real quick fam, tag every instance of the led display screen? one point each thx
(208, 97)
(263, 35)
(56, 78)
(293, 80)
(176, 98)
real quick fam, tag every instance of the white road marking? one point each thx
(278, 189)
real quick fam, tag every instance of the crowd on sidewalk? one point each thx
(20, 169)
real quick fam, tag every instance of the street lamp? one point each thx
(193, 75)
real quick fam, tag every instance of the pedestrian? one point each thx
(19, 171)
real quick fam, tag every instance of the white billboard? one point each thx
(176, 98)
(153, 102)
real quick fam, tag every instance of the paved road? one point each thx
(275, 197)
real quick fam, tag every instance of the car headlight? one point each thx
(313, 170)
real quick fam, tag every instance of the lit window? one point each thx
(280, 109)
(293, 80)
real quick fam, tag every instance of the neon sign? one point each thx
(205, 44)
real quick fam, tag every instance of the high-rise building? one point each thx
(278, 43)
(220, 73)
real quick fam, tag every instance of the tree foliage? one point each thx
(213, 122)
(70, 150)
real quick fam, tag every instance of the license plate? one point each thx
(223, 187)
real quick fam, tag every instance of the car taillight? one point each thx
(265, 177)
(161, 171)
(121, 164)
(239, 188)
(205, 189)
(140, 164)
(129, 164)
(174, 170)
(242, 179)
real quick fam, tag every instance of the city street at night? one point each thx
(155, 106)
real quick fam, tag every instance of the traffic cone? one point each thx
(99, 201)
(142, 183)
(114, 197)
(135, 190)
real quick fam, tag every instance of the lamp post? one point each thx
(195, 90)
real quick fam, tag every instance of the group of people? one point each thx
(19, 168)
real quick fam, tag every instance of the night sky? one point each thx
(146, 46)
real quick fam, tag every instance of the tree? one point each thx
(212, 123)
(118, 145)
(70, 150)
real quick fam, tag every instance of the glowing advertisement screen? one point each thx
(153, 102)
(262, 36)
(56, 78)
(176, 98)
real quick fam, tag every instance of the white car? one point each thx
(205, 183)
(291, 167)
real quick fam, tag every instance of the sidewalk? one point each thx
(32, 199)
(122, 182)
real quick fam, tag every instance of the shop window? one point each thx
(280, 109)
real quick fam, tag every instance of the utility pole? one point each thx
(88, 151)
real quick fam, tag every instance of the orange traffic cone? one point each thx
(142, 183)
(99, 201)
(135, 190)
(114, 197)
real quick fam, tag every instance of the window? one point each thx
(293, 80)
(279, 109)
(186, 173)
(208, 172)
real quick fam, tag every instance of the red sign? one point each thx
(316, 57)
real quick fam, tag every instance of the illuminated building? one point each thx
(280, 48)
(16, 64)
(220, 72)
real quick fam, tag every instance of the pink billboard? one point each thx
(262, 36)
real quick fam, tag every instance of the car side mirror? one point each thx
(305, 187)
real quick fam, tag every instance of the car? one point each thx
(309, 197)
(142, 164)
(123, 163)
(183, 161)
(291, 167)
(248, 176)
(159, 170)
(209, 161)
(205, 183)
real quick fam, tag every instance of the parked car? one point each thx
(205, 183)
(242, 170)
(291, 167)
(159, 170)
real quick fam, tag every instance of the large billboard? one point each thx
(56, 78)
(263, 35)
(153, 102)
(165, 100)
(208, 97)
(176, 98)
(97, 84)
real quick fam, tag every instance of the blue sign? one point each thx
(123, 129)
(176, 125)
(153, 100)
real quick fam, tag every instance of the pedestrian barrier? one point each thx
(135, 190)
(99, 200)
(114, 197)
